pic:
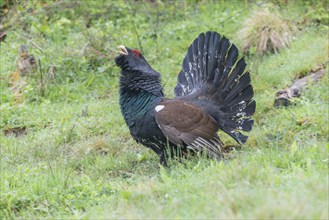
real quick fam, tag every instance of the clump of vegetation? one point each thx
(266, 31)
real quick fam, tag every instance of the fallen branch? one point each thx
(282, 98)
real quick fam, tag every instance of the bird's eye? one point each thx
(136, 53)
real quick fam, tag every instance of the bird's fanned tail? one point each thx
(213, 78)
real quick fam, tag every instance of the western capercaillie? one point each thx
(213, 92)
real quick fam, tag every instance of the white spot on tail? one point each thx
(159, 108)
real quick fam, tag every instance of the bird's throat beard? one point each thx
(135, 82)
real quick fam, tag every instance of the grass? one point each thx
(68, 153)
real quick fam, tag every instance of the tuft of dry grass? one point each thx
(266, 31)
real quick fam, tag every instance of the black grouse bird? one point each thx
(213, 92)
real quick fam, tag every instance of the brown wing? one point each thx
(186, 124)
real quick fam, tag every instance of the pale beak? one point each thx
(123, 50)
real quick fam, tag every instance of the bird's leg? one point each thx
(163, 160)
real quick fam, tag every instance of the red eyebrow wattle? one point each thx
(136, 52)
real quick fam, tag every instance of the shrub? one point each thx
(265, 31)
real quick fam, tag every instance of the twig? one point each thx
(135, 28)
(34, 44)
(138, 38)
(29, 38)
(82, 51)
(282, 98)
(42, 83)
(99, 53)
(236, 14)
(156, 31)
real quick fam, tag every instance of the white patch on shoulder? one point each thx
(159, 108)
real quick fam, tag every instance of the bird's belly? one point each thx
(150, 134)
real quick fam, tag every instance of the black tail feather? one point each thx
(223, 47)
(230, 61)
(237, 71)
(241, 96)
(212, 72)
(235, 110)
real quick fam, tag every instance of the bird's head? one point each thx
(136, 73)
(131, 60)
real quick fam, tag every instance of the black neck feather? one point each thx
(137, 93)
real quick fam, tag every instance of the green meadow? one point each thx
(66, 152)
